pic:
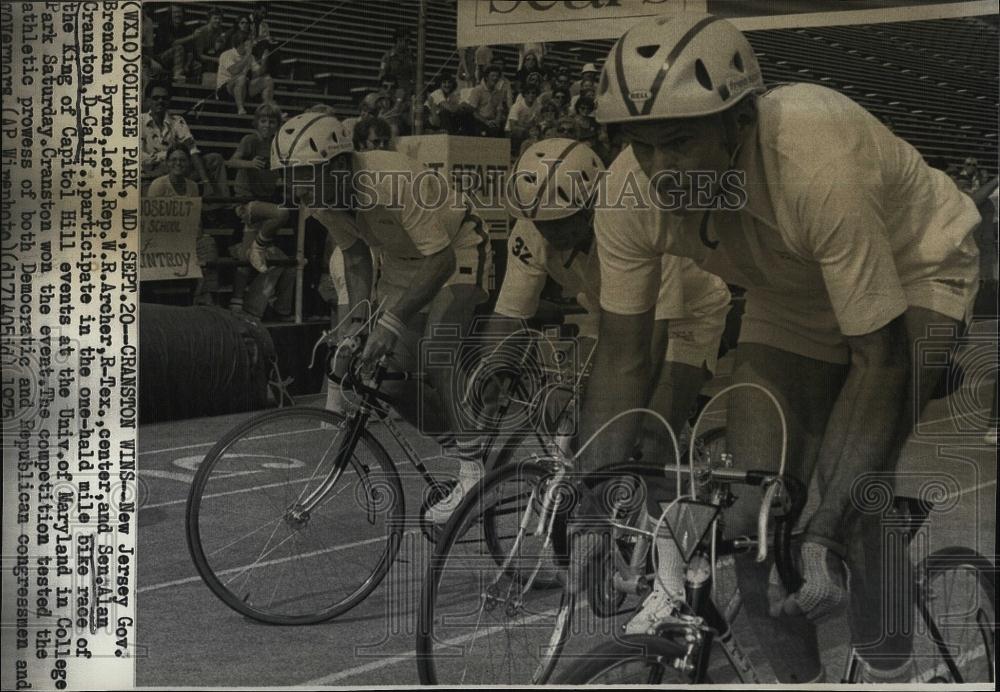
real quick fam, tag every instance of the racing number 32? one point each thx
(520, 249)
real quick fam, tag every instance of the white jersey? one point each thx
(686, 293)
(403, 216)
(409, 212)
(833, 240)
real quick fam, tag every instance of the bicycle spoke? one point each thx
(268, 556)
(516, 628)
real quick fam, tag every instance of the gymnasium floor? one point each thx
(187, 637)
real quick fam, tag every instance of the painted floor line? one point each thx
(232, 570)
(209, 444)
(400, 658)
(168, 475)
(228, 492)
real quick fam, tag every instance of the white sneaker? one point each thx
(657, 606)
(335, 400)
(469, 473)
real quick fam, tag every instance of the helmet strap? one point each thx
(736, 124)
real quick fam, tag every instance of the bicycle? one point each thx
(498, 574)
(272, 492)
(517, 601)
(679, 648)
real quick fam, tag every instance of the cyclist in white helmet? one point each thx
(850, 249)
(553, 237)
(432, 249)
(555, 184)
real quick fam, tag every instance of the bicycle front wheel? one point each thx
(957, 600)
(485, 620)
(295, 517)
(631, 660)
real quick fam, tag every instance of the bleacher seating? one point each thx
(934, 82)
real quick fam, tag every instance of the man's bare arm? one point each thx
(862, 434)
(620, 381)
(434, 270)
(358, 274)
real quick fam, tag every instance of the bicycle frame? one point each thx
(369, 405)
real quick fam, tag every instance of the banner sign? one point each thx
(492, 22)
(168, 238)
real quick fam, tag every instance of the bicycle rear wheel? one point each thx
(640, 659)
(269, 551)
(956, 597)
(483, 620)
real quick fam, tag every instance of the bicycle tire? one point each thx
(960, 618)
(297, 577)
(640, 659)
(454, 601)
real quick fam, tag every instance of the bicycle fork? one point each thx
(545, 524)
(298, 515)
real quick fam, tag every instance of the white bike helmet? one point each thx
(309, 139)
(677, 66)
(551, 179)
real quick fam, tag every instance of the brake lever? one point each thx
(773, 487)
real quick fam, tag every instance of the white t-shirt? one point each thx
(226, 60)
(685, 292)
(522, 114)
(842, 237)
(396, 225)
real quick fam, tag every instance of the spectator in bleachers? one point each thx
(252, 158)
(535, 49)
(171, 45)
(397, 109)
(530, 67)
(241, 75)
(255, 291)
(488, 104)
(160, 129)
(466, 74)
(375, 133)
(970, 177)
(260, 31)
(523, 114)
(271, 285)
(587, 81)
(208, 41)
(398, 63)
(367, 108)
(548, 116)
(561, 98)
(565, 127)
(561, 79)
(584, 107)
(238, 33)
(176, 183)
(534, 134)
(484, 58)
(444, 106)
(503, 84)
